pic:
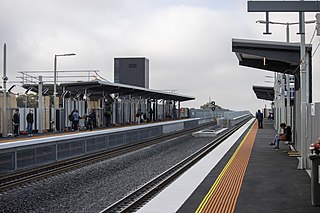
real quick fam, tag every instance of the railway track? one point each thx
(138, 198)
(12, 180)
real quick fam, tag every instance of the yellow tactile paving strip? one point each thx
(224, 193)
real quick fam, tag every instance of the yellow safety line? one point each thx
(218, 180)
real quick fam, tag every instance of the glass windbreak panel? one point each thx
(7, 162)
(25, 158)
(45, 154)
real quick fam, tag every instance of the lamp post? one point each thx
(55, 88)
(287, 24)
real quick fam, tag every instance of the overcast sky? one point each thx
(188, 42)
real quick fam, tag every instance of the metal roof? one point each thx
(264, 93)
(281, 57)
(96, 88)
(274, 56)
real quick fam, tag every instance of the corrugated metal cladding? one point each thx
(132, 71)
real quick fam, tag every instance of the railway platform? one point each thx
(23, 153)
(249, 176)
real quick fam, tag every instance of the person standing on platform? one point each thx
(259, 116)
(91, 119)
(30, 121)
(139, 116)
(107, 115)
(151, 114)
(16, 123)
(75, 121)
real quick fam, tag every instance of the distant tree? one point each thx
(32, 101)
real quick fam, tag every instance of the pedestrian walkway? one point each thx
(271, 183)
(249, 177)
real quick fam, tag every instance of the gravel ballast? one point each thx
(95, 187)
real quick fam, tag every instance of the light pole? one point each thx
(287, 24)
(55, 88)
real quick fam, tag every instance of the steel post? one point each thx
(54, 93)
(4, 78)
(303, 105)
(40, 130)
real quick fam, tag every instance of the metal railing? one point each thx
(63, 76)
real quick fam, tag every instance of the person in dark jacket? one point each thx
(16, 122)
(259, 116)
(91, 119)
(75, 120)
(139, 116)
(30, 121)
(107, 115)
(285, 136)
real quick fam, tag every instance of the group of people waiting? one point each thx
(90, 120)
(16, 123)
(142, 117)
(286, 134)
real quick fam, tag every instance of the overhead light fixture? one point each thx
(30, 88)
(78, 95)
(9, 90)
(264, 61)
(45, 91)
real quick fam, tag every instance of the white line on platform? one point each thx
(172, 198)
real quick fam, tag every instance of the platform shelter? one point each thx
(114, 103)
(283, 59)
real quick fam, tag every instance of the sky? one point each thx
(188, 43)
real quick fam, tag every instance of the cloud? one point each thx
(188, 42)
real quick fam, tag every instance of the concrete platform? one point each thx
(270, 181)
(208, 133)
(28, 152)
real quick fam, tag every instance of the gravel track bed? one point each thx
(94, 187)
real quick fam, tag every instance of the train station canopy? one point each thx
(99, 88)
(281, 57)
(264, 93)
